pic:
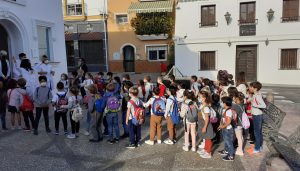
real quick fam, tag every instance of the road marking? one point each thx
(285, 101)
(279, 97)
(266, 92)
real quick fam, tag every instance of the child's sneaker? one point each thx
(116, 140)
(111, 141)
(56, 132)
(149, 142)
(254, 151)
(223, 152)
(193, 149)
(86, 133)
(71, 136)
(201, 151)
(228, 158)
(66, 132)
(168, 141)
(158, 141)
(239, 153)
(205, 155)
(26, 129)
(131, 146)
(185, 148)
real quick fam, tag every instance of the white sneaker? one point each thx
(205, 155)
(202, 144)
(86, 133)
(149, 142)
(71, 136)
(158, 141)
(185, 148)
(201, 151)
(168, 141)
(193, 149)
(239, 153)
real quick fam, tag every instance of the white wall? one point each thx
(95, 7)
(25, 17)
(280, 35)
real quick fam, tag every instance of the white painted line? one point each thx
(284, 101)
(279, 97)
(266, 92)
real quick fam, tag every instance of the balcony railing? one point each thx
(248, 27)
(248, 22)
(290, 19)
(214, 24)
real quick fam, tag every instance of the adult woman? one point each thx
(28, 74)
(82, 65)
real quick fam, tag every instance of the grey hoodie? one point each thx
(42, 96)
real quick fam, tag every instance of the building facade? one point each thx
(85, 33)
(26, 26)
(260, 38)
(139, 35)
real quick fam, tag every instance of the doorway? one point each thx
(246, 61)
(3, 39)
(129, 57)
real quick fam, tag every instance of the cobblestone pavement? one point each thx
(24, 151)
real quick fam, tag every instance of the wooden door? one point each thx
(246, 61)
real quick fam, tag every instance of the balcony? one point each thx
(290, 19)
(248, 27)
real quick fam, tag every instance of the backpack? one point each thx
(245, 120)
(192, 113)
(99, 104)
(159, 107)
(138, 118)
(113, 104)
(175, 113)
(234, 117)
(27, 104)
(61, 101)
(213, 116)
(77, 112)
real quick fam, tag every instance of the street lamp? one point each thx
(227, 17)
(270, 14)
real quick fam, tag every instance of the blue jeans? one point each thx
(88, 121)
(134, 133)
(228, 140)
(125, 127)
(113, 123)
(257, 126)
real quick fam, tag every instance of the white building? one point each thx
(258, 37)
(35, 28)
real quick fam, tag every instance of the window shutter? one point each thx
(288, 59)
(207, 60)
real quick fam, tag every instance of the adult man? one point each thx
(82, 65)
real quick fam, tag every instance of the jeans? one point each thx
(228, 140)
(88, 121)
(105, 125)
(75, 126)
(112, 121)
(39, 111)
(3, 122)
(134, 133)
(57, 116)
(28, 115)
(125, 127)
(257, 126)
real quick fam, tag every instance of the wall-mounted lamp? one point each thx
(267, 42)
(89, 27)
(229, 43)
(227, 17)
(270, 14)
(178, 7)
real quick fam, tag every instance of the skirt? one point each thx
(210, 134)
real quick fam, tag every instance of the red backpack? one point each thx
(27, 104)
(138, 117)
(62, 100)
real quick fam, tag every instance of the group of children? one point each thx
(207, 110)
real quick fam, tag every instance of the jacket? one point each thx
(42, 96)
(169, 106)
(257, 103)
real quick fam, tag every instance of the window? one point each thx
(247, 13)
(157, 53)
(74, 9)
(43, 40)
(288, 59)
(208, 15)
(122, 18)
(290, 10)
(207, 60)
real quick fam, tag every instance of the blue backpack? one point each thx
(99, 103)
(159, 107)
(175, 113)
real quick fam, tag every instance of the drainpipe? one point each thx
(104, 16)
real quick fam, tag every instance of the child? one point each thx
(227, 129)
(76, 81)
(195, 86)
(59, 99)
(205, 127)
(142, 90)
(162, 87)
(230, 79)
(73, 100)
(117, 83)
(99, 80)
(126, 97)
(14, 102)
(42, 100)
(134, 130)
(218, 109)
(65, 81)
(223, 85)
(95, 130)
(88, 80)
(172, 80)
(155, 119)
(169, 109)
(113, 106)
(109, 77)
(27, 113)
(206, 85)
(257, 103)
(239, 103)
(148, 87)
(3, 103)
(189, 113)
(179, 94)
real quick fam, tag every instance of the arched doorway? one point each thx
(3, 39)
(129, 57)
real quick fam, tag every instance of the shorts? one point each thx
(12, 109)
